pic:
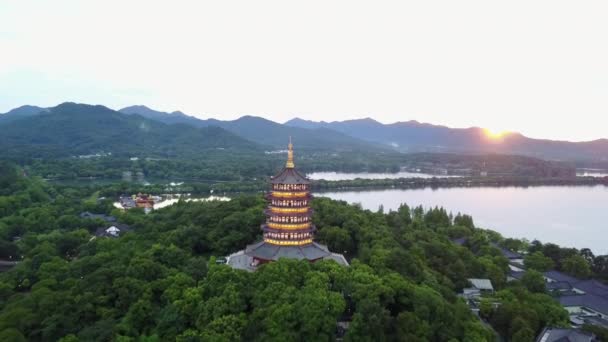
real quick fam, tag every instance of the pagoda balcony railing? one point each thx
(289, 243)
(309, 229)
(290, 194)
(289, 221)
(274, 212)
(288, 236)
(288, 203)
(289, 210)
(288, 226)
(290, 187)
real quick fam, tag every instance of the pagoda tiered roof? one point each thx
(289, 176)
(288, 231)
(265, 251)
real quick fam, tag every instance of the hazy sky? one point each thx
(538, 67)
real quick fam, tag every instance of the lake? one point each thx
(337, 176)
(592, 173)
(568, 216)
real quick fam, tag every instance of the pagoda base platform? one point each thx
(262, 252)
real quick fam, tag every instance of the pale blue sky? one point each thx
(538, 67)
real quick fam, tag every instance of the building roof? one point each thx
(267, 251)
(587, 300)
(595, 320)
(289, 176)
(460, 241)
(517, 274)
(113, 228)
(90, 215)
(559, 276)
(482, 284)
(595, 296)
(564, 335)
(243, 261)
(507, 253)
(559, 285)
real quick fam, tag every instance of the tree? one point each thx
(411, 328)
(464, 220)
(534, 281)
(588, 255)
(576, 266)
(538, 261)
(12, 335)
(494, 272)
(523, 335)
(485, 308)
(337, 239)
(514, 244)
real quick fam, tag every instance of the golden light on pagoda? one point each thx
(289, 230)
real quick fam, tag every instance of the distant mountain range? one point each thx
(71, 129)
(266, 132)
(21, 113)
(412, 136)
(85, 128)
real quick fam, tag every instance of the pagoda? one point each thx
(288, 231)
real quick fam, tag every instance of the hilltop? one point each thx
(71, 129)
(413, 136)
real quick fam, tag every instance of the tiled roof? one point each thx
(460, 241)
(102, 231)
(89, 215)
(289, 176)
(590, 301)
(564, 335)
(267, 251)
(241, 260)
(559, 276)
(517, 274)
(507, 253)
(482, 284)
(559, 285)
(595, 296)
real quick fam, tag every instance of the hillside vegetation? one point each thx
(160, 282)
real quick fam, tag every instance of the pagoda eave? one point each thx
(266, 228)
(270, 212)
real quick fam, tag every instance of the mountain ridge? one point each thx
(268, 132)
(364, 134)
(72, 129)
(413, 136)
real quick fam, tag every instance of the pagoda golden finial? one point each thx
(290, 164)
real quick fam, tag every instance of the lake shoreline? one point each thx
(349, 185)
(567, 216)
(456, 182)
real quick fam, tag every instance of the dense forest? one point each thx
(161, 281)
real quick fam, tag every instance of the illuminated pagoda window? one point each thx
(288, 231)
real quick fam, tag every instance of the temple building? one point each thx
(288, 231)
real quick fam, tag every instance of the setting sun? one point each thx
(495, 135)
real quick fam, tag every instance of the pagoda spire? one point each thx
(290, 164)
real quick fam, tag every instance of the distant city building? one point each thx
(288, 231)
(137, 201)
